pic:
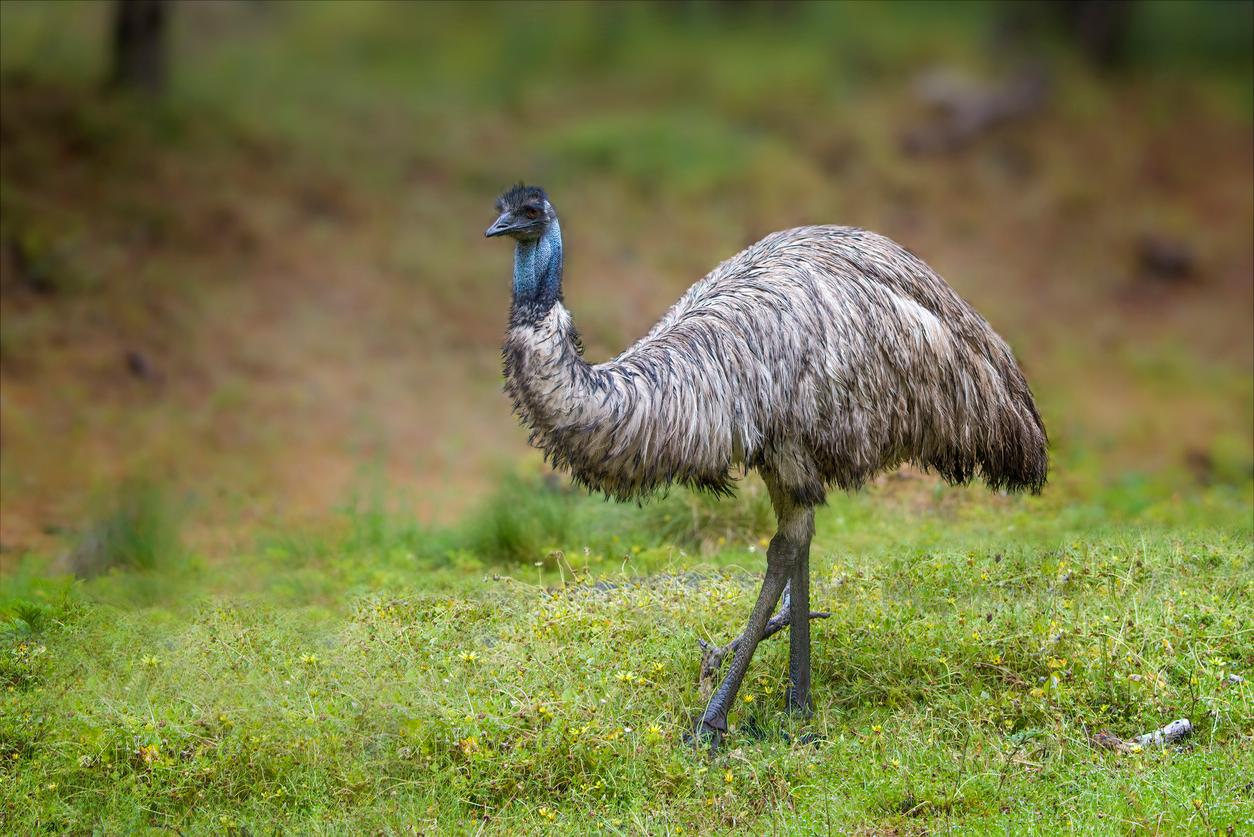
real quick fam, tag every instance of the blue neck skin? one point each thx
(537, 275)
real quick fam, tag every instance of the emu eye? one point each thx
(531, 212)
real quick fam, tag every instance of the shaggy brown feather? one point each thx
(819, 355)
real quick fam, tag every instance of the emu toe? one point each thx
(765, 732)
(707, 732)
(799, 706)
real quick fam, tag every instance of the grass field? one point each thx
(393, 679)
(274, 557)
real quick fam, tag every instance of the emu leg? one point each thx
(779, 559)
(799, 635)
(712, 656)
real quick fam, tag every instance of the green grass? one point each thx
(385, 676)
(137, 529)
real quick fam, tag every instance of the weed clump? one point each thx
(138, 530)
(523, 521)
(702, 523)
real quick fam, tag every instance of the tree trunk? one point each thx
(140, 45)
(1100, 28)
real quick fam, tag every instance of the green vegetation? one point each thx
(137, 533)
(388, 677)
(226, 312)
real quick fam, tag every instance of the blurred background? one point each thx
(244, 273)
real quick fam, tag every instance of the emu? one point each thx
(819, 356)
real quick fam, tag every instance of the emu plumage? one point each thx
(818, 356)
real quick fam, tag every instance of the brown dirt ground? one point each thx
(305, 336)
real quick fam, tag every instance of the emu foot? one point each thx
(754, 730)
(799, 707)
(707, 732)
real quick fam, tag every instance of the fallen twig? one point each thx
(1160, 737)
(1010, 675)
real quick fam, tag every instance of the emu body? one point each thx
(819, 356)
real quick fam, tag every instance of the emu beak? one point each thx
(499, 227)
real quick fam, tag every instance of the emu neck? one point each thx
(537, 276)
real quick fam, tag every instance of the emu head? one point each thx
(525, 213)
